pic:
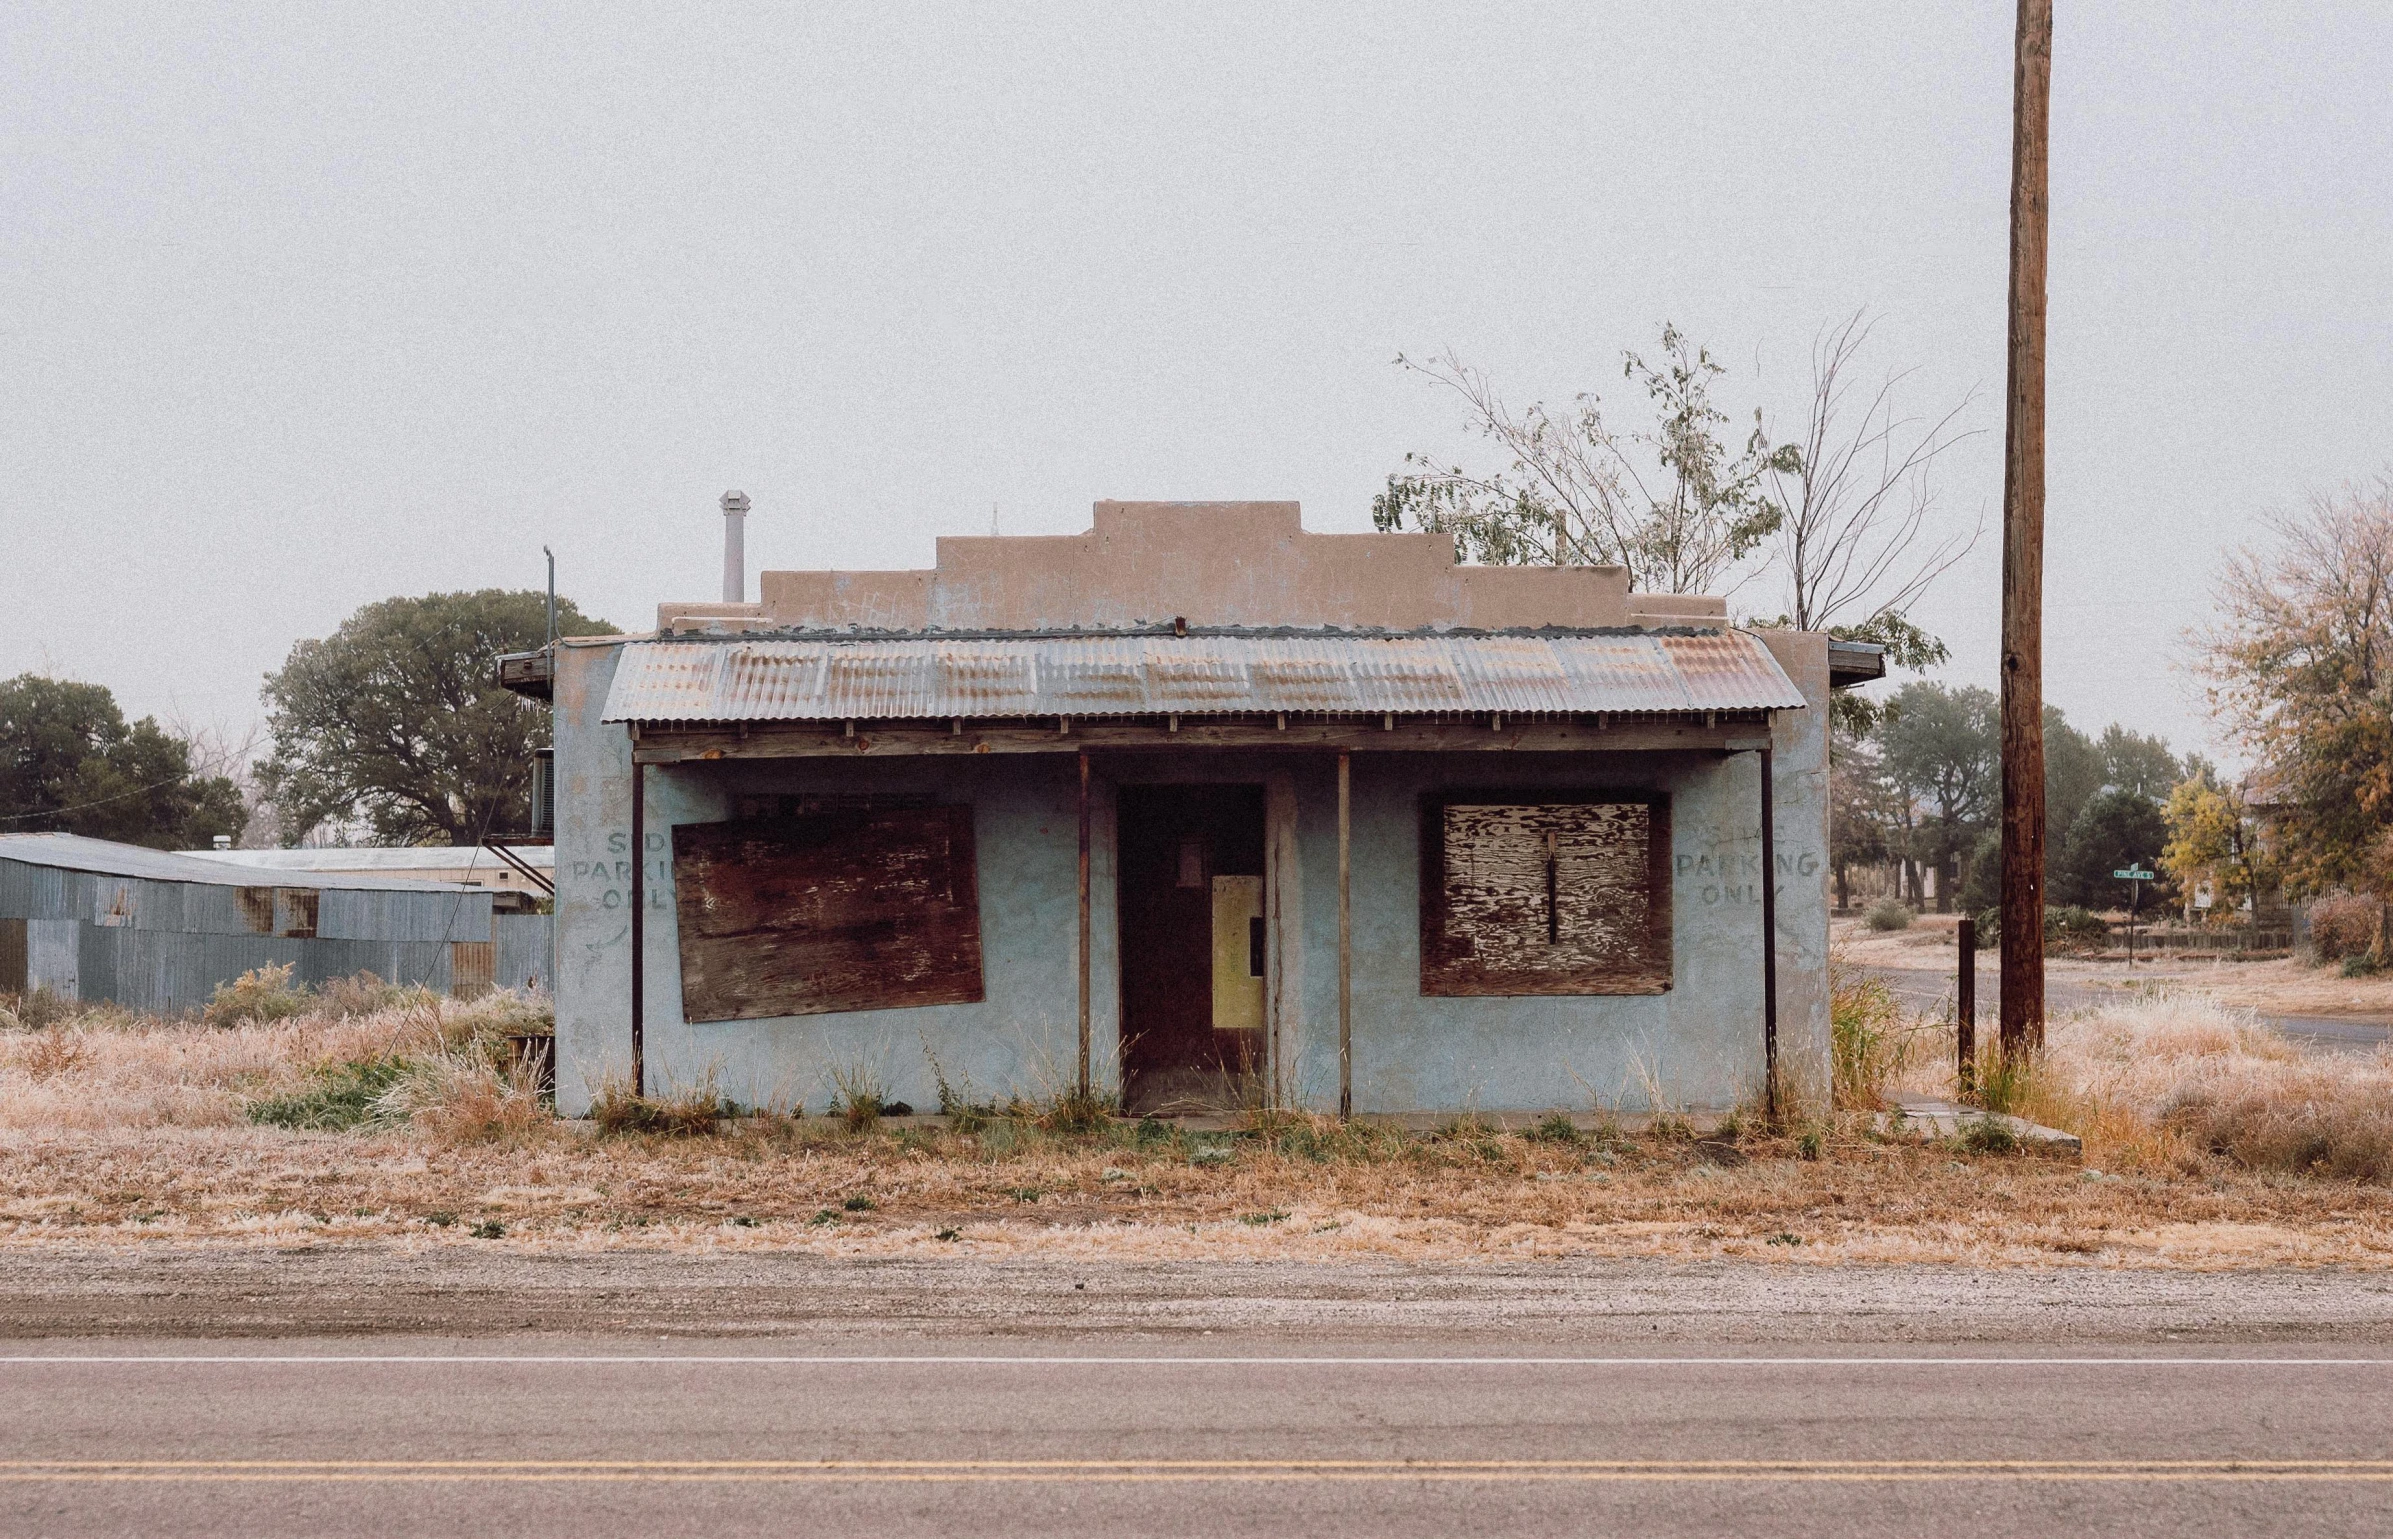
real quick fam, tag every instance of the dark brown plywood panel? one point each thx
(866, 909)
(1534, 893)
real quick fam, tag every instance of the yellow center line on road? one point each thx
(1140, 1471)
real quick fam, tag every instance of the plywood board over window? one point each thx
(856, 909)
(1545, 893)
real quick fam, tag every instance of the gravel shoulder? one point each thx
(450, 1292)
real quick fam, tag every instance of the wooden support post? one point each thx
(1084, 927)
(2023, 543)
(1965, 1046)
(1769, 938)
(1345, 936)
(639, 928)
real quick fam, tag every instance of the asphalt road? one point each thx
(1218, 1437)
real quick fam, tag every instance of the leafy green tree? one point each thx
(70, 763)
(396, 723)
(1941, 746)
(2074, 773)
(2118, 828)
(2143, 765)
(2077, 771)
(1676, 503)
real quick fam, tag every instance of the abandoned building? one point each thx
(1199, 809)
(157, 931)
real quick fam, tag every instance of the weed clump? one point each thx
(1314, 1137)
(695, 1113)
(365, 994)
(1868, 1044)
(859, 1096)
(956, 1104)
(2004, 1081)
(463, 1096)
(1076, 1112)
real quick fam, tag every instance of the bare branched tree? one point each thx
(1675, 503)
(1855, 542)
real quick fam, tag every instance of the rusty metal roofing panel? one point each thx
(999, 677)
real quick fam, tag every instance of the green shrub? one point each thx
(1556, 1128)
(1890, 916)
(342, 1097)
(1984, 1135)
(2342, 925)
(2072, 929)
(40, 1010)
(261, 994)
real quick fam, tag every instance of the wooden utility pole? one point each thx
(2023, 543)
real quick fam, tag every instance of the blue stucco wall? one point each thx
(1698, 1046)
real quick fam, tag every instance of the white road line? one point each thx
(1093, 1361)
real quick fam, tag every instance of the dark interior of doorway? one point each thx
(1173, 841)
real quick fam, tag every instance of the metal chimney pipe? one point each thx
(735, 547)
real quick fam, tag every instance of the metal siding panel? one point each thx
(524, 948)
(344, 914)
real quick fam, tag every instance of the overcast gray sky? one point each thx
(301, 307)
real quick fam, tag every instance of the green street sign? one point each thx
(2133, 874)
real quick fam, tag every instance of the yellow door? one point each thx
(1237, 953)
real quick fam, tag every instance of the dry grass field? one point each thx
(390, 1116)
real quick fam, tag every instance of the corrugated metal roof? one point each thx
(73, 852)
(883, 679)
(380, 857)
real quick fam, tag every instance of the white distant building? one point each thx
(468, 865)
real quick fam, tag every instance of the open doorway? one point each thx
(1193, 947)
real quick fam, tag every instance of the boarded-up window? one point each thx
(867, 909)
(257, 908)
(1545, 894)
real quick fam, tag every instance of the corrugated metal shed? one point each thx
(154, 930)
(105, 857)
(883, 679)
